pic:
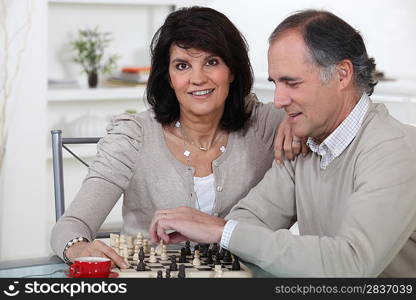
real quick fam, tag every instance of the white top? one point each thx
(205, 193)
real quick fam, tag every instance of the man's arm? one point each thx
(379, 217)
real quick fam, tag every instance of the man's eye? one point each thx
(181, 66)
(293, 84)
(212, 62)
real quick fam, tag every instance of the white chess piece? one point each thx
(218, 271)
(152, 257)
(146, 246)
(159, 248)
(164, 255)
(196, 261)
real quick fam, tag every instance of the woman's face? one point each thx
(201, 81)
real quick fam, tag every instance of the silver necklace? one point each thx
(187, 152)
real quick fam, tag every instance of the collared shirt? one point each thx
(342, 136)
(329, 149)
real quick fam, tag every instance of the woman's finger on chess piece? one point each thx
(96, 249)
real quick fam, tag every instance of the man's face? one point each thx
(314, 108)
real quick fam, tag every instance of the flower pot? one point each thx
(92, 79)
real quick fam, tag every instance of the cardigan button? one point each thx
(219, 188)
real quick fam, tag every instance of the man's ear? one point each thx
(345, 72)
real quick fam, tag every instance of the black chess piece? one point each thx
(167, 273)
(188, 248)
(214, 248)
(159, 274)
(173, 266)
(141, 266)
(204, 250)
(236, 264)
(222, 251)
(182, 258)
(217, 258)
(209, 257)
(181, 273)
(141, 253)
(227, 256)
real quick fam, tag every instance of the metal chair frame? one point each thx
(58, 142)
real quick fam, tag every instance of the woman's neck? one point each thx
(201, 132)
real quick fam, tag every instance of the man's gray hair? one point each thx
(330, 40)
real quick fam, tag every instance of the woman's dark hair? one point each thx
(330, 40)
(208, 30)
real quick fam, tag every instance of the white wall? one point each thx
(23, 215)
(388, 27)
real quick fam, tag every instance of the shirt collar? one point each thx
(342, 136)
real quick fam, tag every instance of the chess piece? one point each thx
(182, 258)
(173, 265)
(209, 257)
(141, 266)
(136, 253)
(217, 258)
(196, 261)
(204, 253)
(167, 275)
(218, 271)
(181, 273)
(152, 257)
(227, 256)
(164, 255)
(214, 248)
(188, 248)
(159, 248)
(146, 246)
(236, 264)
(159, 274)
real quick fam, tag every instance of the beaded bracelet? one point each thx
(71, 243)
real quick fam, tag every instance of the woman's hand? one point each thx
(287, 145)
(97, 249)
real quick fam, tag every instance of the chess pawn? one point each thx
(129, 241)
(159, 274)
(139, 236)
(152, 257)
(164, 255)
(146, 246)
(159, 248)
(136, 253)
(218, 271)
(196, 261)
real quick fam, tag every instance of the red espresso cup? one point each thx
(90, 267)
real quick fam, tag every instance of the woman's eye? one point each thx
(181, 66)
(212, 62)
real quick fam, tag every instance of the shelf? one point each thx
(130, 2)
(98, 94)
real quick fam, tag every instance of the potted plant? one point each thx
(89, 49)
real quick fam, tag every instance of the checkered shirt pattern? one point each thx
(342, 136)
(226, 234)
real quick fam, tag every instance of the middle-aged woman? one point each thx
(205, 142)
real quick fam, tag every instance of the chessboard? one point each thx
(179, 261)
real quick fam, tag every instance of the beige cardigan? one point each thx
(357, 218)
(133, 159)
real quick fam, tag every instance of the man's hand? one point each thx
(187, 224)
(287, 145)
(97, 249)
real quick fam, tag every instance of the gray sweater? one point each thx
(357, 218)
(133, 159)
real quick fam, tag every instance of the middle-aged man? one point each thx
(354, 196)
